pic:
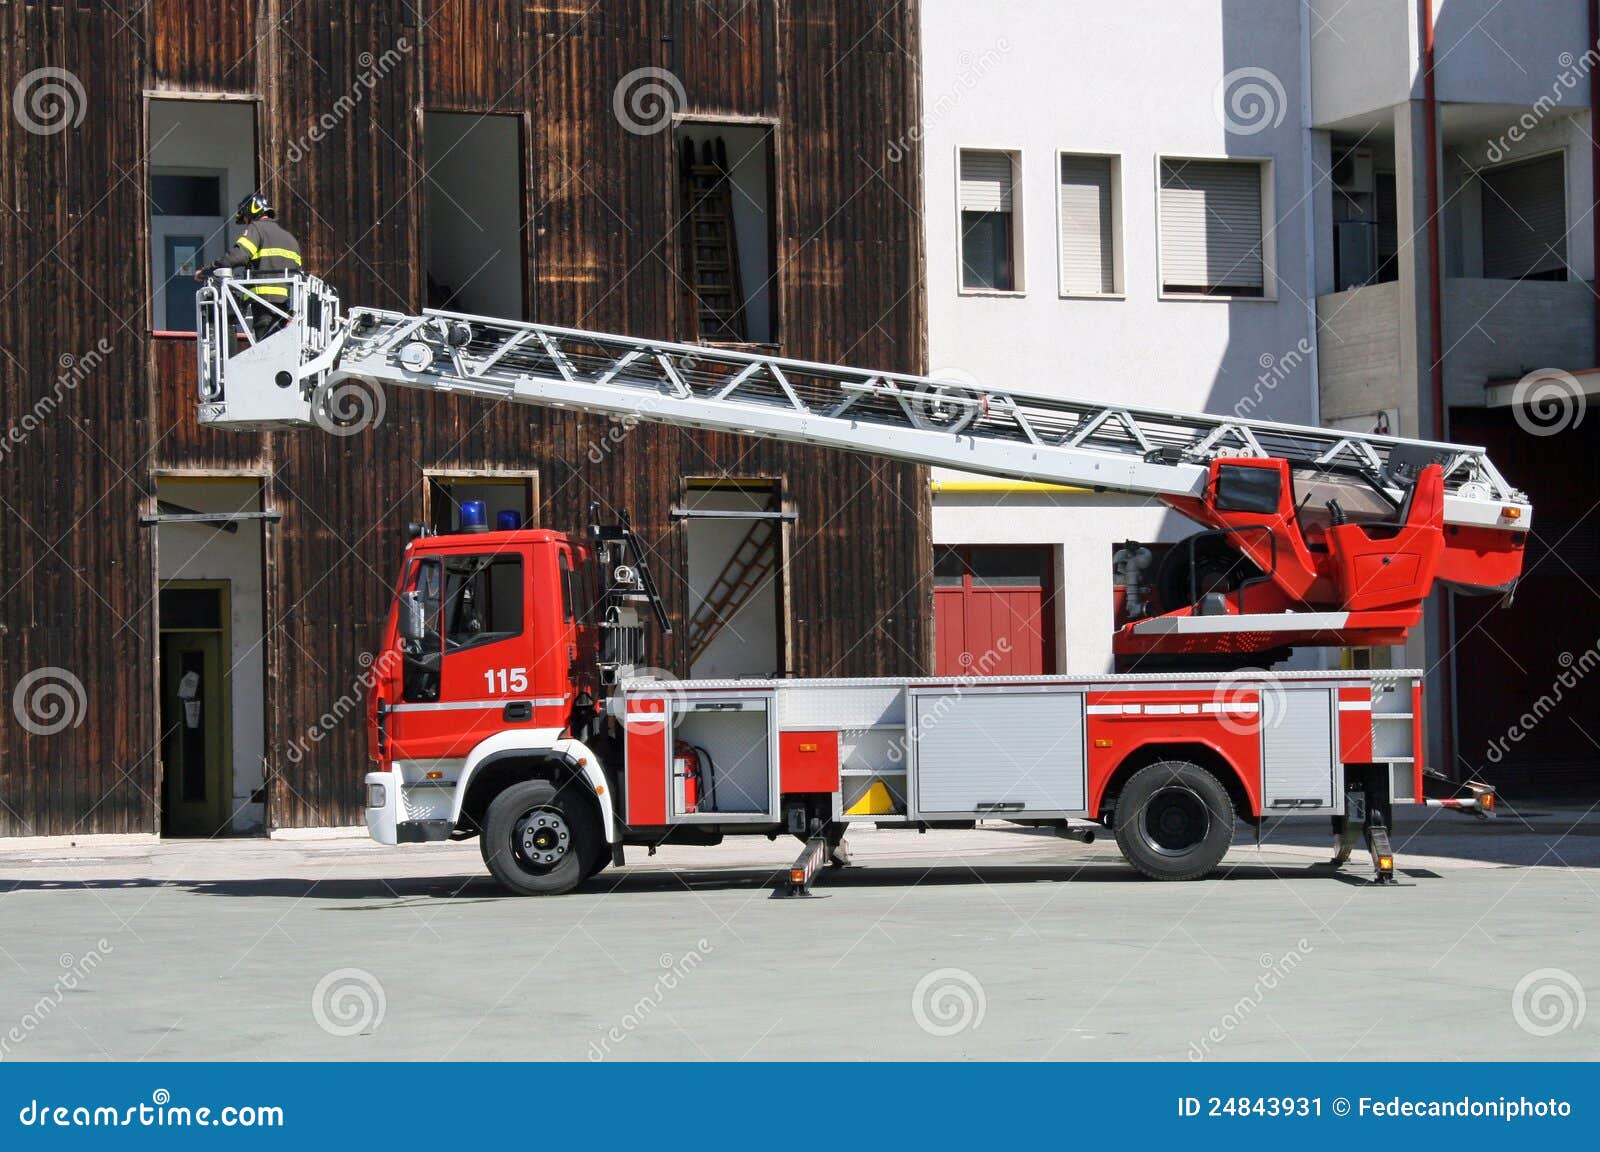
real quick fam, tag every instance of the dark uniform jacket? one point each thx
(267, 249)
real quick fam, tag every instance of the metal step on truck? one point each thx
(513, 702)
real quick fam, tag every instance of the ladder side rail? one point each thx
(865, 376)
(743, 391)
(1012, 459)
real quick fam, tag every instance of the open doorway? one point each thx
(211, 666)
(473, 213)
(510, 499)
(727, 232)
(202, 163)
(196, 709)
(736, 552)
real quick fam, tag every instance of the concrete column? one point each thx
(1411, 195)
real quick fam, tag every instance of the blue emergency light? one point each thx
(508, 521)
(474, 516)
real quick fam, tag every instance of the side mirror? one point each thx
(413, 616)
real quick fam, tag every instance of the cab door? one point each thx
(577, 618)
(470, 674)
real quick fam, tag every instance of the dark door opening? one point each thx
(196, 762)
(738, 607)
(1525, 674)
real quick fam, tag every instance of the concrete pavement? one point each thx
(984, 944)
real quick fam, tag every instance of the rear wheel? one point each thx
(1174, 821)
(540, 840)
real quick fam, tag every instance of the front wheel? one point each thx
(540, 840)
(1174, 821)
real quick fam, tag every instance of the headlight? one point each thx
(376, 796)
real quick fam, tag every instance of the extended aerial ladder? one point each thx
(1331, 537)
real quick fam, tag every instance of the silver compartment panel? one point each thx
(1298, 748)
(1001, 755)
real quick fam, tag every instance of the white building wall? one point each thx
(1494, 52)
(1139, 80)
(1363, 56)
(1366, 53)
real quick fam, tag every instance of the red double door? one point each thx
(993, 611)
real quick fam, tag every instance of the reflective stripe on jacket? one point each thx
(266, 248)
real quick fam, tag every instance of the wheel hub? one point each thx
(542, 838)
(1175, 820)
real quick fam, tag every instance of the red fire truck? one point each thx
(513, 703)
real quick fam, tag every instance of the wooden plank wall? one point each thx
(75, 578)
(837, 78)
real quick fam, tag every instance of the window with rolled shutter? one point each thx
(1525, 220)
(1211, 227)
(1088, 261)
(987, 235)
(985, 182)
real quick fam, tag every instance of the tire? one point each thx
(1174, 821)
(540, 840)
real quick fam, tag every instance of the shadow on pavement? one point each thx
(647, 881)
(1515, 838)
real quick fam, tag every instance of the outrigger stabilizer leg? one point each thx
(1363, 821)
(826, 845)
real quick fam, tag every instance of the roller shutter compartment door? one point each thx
(999, 754)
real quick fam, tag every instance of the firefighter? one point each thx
(264, 247)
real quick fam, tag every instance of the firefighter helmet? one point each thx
(253, 207)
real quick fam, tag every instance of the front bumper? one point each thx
(420, 813)
(383, 806)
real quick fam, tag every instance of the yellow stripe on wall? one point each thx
(997, 487)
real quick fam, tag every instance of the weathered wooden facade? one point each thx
(835, 81)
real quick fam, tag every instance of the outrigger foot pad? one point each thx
(806, 866)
